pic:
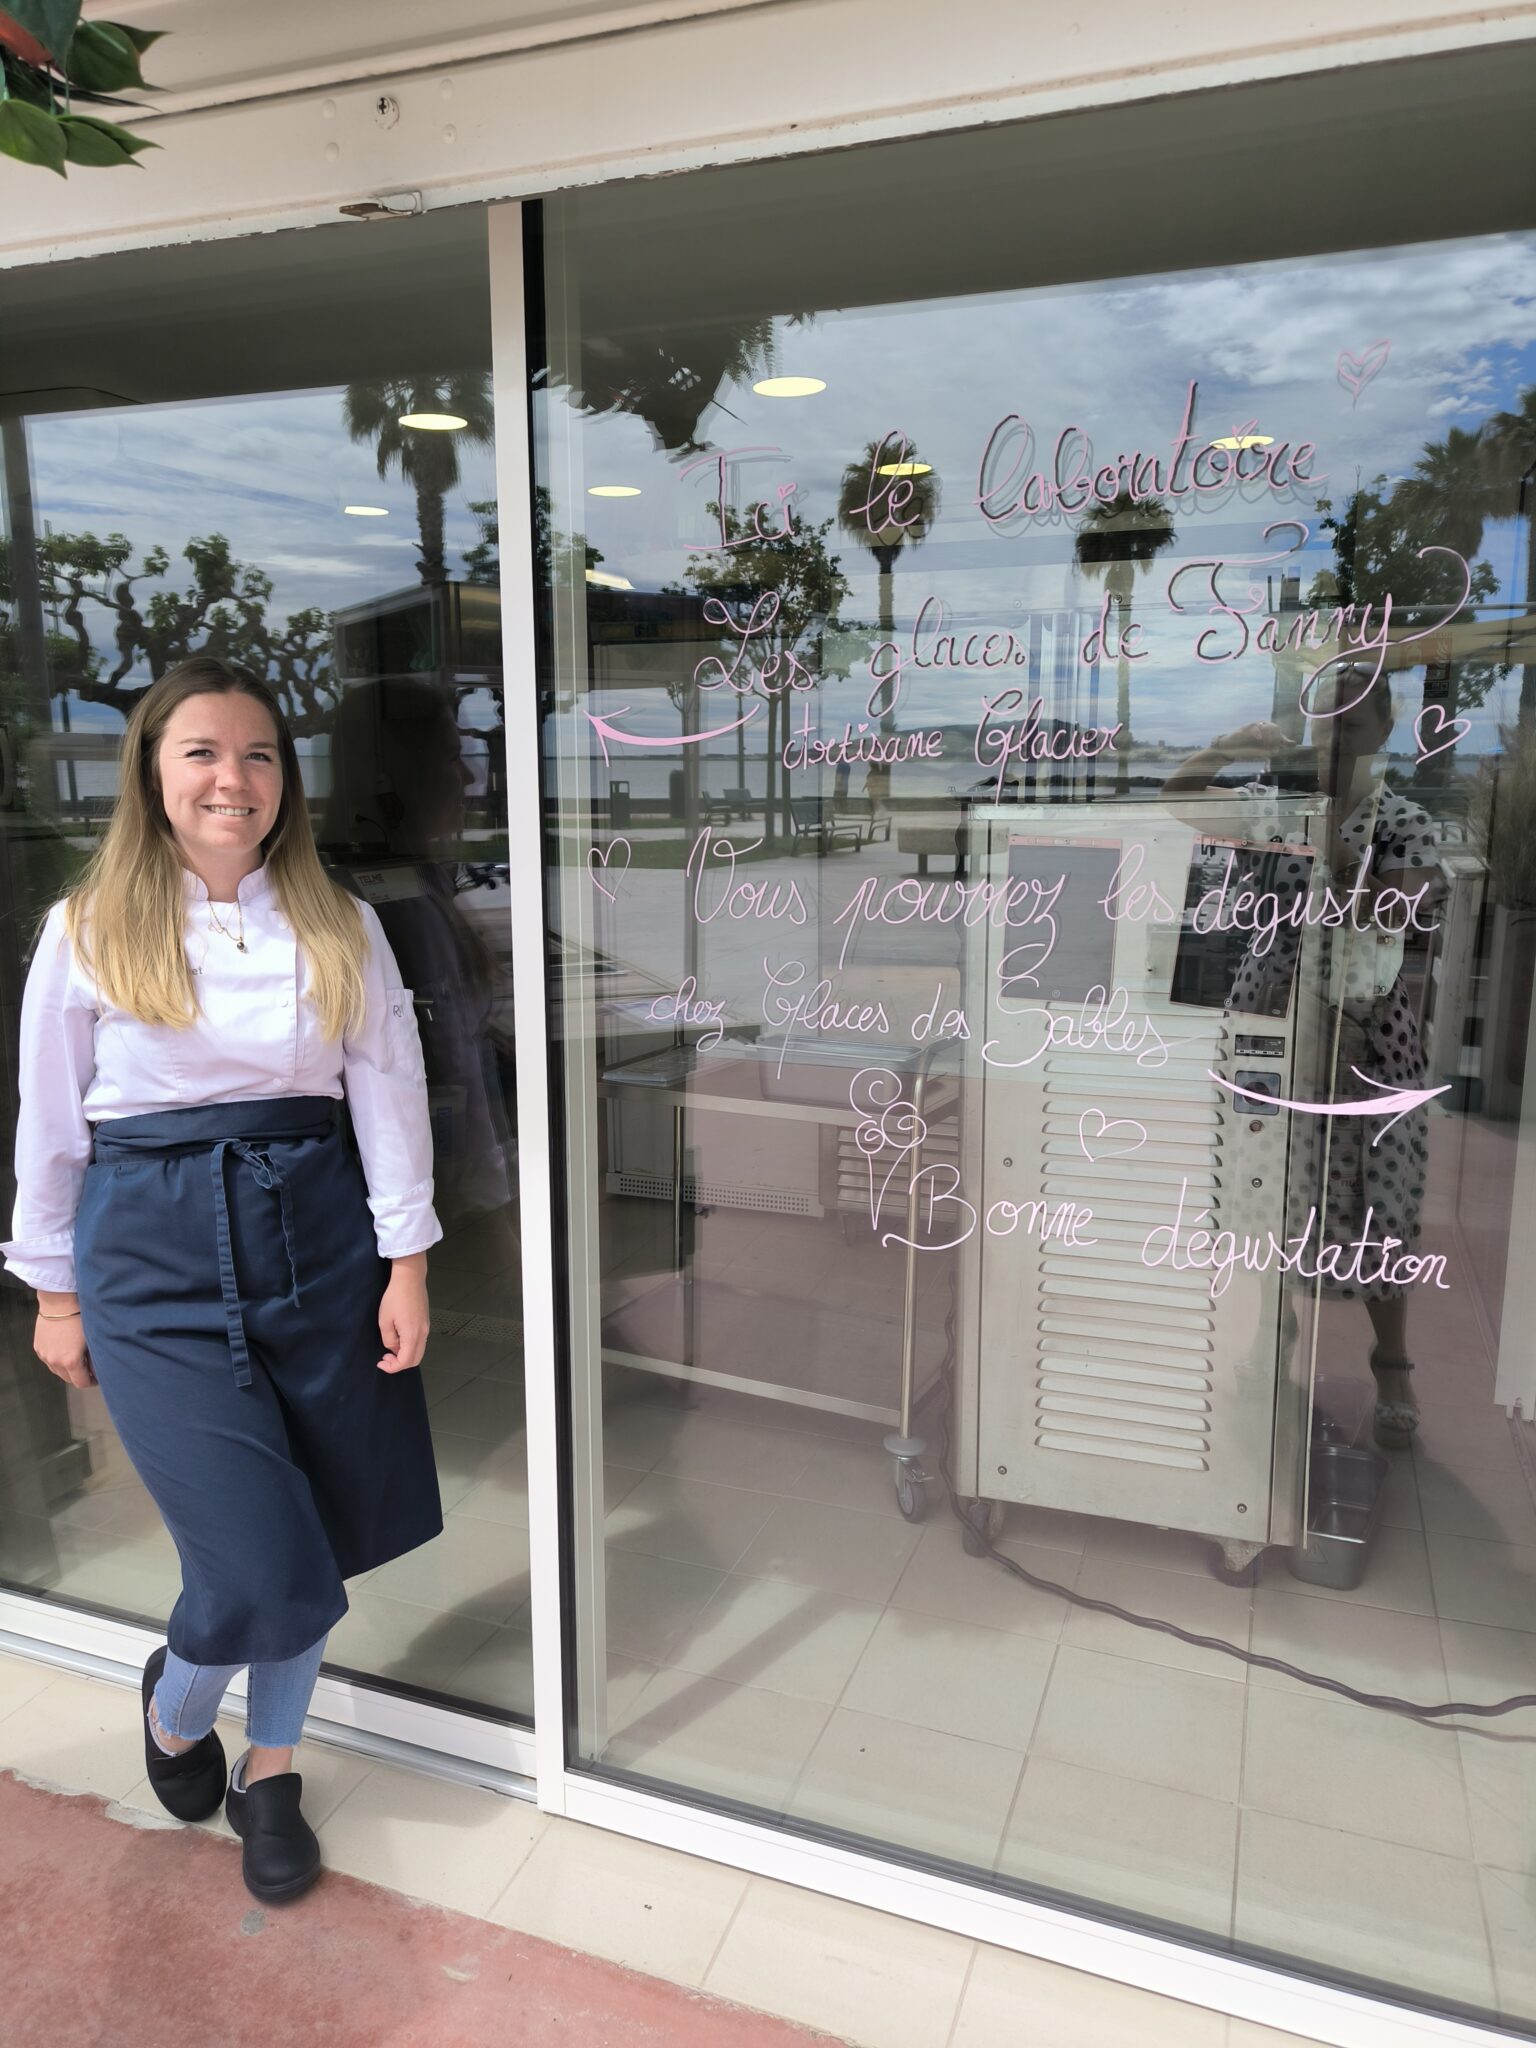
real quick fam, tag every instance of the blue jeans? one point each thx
(188, 1695)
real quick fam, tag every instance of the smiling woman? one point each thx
(221, 781)
(300, 1465)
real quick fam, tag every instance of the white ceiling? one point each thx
(216, 46)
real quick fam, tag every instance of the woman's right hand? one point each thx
(58, 1338)
(1252, 742)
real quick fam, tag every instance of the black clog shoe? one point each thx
(191, 1785)
(281, 1857)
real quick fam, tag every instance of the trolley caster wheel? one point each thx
(979, 1520)
(1237, 1563)
(911, 1490)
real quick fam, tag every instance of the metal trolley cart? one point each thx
(1118, 1113)
(750, 1126)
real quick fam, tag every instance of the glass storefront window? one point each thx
(1040, 715)
(205, 450)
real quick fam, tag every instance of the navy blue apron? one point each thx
(229, 1287)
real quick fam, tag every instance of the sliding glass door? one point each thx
(279, 449)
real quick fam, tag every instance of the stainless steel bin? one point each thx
(1344, 1511)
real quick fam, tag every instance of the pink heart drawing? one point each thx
(1106, 1124)
(1433, 719)
(1356, 371)
(605, 860)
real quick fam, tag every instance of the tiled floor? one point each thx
(830, 1661)
(861, 1976)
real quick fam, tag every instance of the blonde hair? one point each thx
(126, 914)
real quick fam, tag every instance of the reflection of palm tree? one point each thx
(1116, 541)
(1447, 497)
(889, 500)
(427, 458)
(1457, 485)
(668, 377)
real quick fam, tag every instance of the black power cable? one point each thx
(1384, 1702)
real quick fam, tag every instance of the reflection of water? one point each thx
(94, 772)
(648, 772)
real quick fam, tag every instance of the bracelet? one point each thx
(58, 1315)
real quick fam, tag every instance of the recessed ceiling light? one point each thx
(609, 582)
(1245, 441)
(613, 490)
(905, 469)
(788, 387)
(367, 511)
(434, 422)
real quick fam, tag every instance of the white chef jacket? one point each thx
(83, 1061)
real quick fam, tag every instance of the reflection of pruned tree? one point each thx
(482, 562)
(1457, 486)
(1119, 541)
(807, 584)
(89, 588)
(1388, 544)
(1509, 462)
(1379, 538)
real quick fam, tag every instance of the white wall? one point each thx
(274, 118)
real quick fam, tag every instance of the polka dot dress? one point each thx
(1337, 1165)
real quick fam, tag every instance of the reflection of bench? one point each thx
(813, 817)
(926, 839)
(861, 811)
(731, 803)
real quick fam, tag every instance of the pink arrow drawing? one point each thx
(1400, 1100)
(606, 731)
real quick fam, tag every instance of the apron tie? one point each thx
(266, 1175)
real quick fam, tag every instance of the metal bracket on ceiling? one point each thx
(386, 206)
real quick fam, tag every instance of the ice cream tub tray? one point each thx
(1346, 1491)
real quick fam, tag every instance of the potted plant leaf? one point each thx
(52, 64)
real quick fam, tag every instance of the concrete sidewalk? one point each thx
(452, 1916)
(118, 1934)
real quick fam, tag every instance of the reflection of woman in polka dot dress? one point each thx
(1375, 1025)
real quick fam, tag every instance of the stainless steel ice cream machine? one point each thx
(1145, 1010)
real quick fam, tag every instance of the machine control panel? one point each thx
(1256, 1081)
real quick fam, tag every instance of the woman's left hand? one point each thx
(404, 1320)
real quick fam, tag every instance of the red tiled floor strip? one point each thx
(113, 1935)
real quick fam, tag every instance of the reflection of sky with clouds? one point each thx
(1115, 359)
(272, 473)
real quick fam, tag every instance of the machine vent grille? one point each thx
(1125, 1359)
(715, 1194)
(940, 1148)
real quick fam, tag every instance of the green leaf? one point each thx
(31, 136)
(51, 22)
(100, 143)
(101, 58)
(32, 86)
(141, 38)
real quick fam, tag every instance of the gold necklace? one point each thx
(219, 925)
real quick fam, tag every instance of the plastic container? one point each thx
(1346, 1491)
